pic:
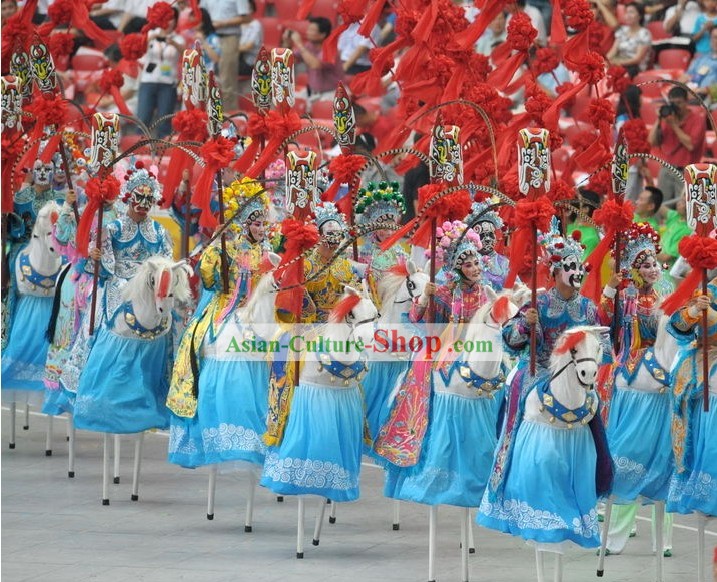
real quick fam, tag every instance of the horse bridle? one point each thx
(574, 362)
(410, 287)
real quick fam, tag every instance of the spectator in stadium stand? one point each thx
(228, 16)
(633, 41)
(159, 77)
(701, 75)
(495, 34)
(252, 37)
(322, 76)
(703, 25)
(373, 122)
(207, 36)
(673, 229)
(134, 17)
(680, 134)
(108, 15)
(647, 207)
(679, 23)
(353, 49)
(7, 9)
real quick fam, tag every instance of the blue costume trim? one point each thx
(557, 409)
(342, 371)
(478, 383)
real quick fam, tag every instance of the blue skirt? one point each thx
(696, 488)
(638, 435)
(23, 361)
(124, 385)
(457, 454)
(549, 494)
(230, 419)
(320, 453)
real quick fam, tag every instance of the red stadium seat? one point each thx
(272, 31)
(674, 59)
(657, 30)
(323, 109)
(286, 9)
(89, 61)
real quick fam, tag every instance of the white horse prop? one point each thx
(552, 462)
(319, 452)
(124, 384)
(35, 268)
(642, 465)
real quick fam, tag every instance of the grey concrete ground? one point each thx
(55, 529)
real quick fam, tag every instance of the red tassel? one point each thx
(552, 113)
(519, 246)
(81, 21)
(372, 17)
(305, 9)
(424, 27)
(683, 293)
(51, 147)
(119, 101)
(558, 35)
(202, 197)
(178, 162)
(470, 35)
(329, 47)
(501, 76)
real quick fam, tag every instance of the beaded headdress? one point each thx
(326, 212)
(379, 202)
(140, 181)
(478, 214)
(459, 249)
(246, 201)
(640, 243)
(558, 248)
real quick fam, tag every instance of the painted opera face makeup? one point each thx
(257, 229)
(42, 173)
(142, 200)
(332, 234)
(571, 271)
(487, 237)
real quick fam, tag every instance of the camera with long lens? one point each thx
(667, 109)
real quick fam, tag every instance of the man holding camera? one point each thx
(680, 135)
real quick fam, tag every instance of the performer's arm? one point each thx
(66, 227)
(685, 320)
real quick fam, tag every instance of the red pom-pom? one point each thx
(521, 32)
(61, 44)
(159, 15)
(133, 46)
(535, 214)
(191, 125)
(613, 215)
(139, 165)
(546, 59)
(219, 151)
(635, 132)
(578, 14)
(591, 68)
(48, 109)
(345, 168)
(60, 11)
(577, 235)
(111, 78)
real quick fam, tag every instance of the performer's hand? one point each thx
(70, 197)
(615, 280)
(95, 254)
(701, 304)
(428, 291)
(531, 316)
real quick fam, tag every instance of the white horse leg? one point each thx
(432, 518)
(332, 512)
(558, 575)
(48, 436)
(211, 491)
(603, 538)
(300, 529)
(26, 426)
(105, 469)
(540, 565)
(396, 515)
(71, 447)
(701, 523)
(471, 540)
(137, 464)
(660, 538)
(319, 521)
(249, 518)
(13, 416)
(116, 478)
(465, 526)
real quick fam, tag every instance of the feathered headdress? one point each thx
(246, 200)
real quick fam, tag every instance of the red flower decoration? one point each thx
(561, 190)
(191, 125)
(48, 109)
(60, 11)
(578, 14)
(133, 46)
(591, 69)
(344, 168)
(99, 191)
(61, 44)
(635, 132)
(159, 15)
(110, 78)
(546, 59)
(601, 111)
(613, 215)
(218, 152)
(352, 10)
(521, 32)
(617, 79)
(537, 101)
(300, 236)
(536, 213)
(601, 183)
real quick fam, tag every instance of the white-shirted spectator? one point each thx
(353, 49)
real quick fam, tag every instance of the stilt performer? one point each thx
(700, 249)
